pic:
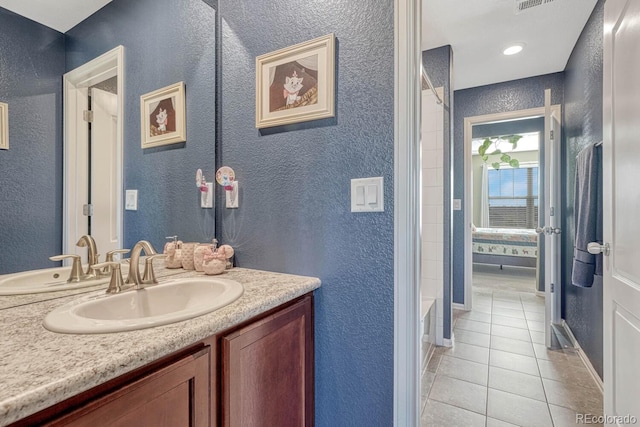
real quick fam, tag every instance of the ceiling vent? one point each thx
(525, 5)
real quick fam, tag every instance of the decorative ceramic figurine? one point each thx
(173, 250)
(198, 255)
(228, 250)
(187, 255)
(215, 261)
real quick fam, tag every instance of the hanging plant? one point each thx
(496, 142)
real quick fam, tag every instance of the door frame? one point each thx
(407, 211)
(76, 84)
(469, 122)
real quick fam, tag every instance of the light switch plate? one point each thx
(457, 204)
(206, 198)
(131, 200)
(367, 194)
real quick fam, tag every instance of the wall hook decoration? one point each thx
(206, 190)
(226, 177)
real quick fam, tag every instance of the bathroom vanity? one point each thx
(249, 363)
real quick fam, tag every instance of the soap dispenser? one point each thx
(173, 250)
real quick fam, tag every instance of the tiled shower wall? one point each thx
(432, 208)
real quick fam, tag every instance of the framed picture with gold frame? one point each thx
(296, 84)
(162, 116)
(4, 126)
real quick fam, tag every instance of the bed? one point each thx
(505, 246)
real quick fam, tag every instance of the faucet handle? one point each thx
(149, 277)
(110, 254)
(116, 284)
(76, 274)
(109, 258)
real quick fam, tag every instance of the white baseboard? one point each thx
(583, 356)
(540, 293)
(447, 342)
(458, 306)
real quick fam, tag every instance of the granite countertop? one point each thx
(39, 368)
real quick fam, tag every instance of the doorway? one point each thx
(537, 198)
(93, 147)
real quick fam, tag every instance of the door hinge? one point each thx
(552, 211)
(87, 116)
(87, 210)
(551, 134)
(553, 287)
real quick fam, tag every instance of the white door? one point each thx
(621, 202)
(104, 171)
(551, 230)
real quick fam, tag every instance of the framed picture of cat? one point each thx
(296, 84)
(162, 116)
(4, 126)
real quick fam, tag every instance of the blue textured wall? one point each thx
(294, 213)
(582, 308)
(31, 66)
(497, 98)
(165, 42)
(438, 64)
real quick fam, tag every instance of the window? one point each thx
(513, 197)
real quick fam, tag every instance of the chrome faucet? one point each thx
(134, 268)
(92, 255)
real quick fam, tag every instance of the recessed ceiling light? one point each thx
(512, 50)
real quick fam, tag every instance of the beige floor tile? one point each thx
(492, 422)
(507, 295)
(511, 305)
(501, 311)
(514, 322)
(514, 362)
(463, 394)
(466, 370)
(437, 414)
(567, 355)
(517, 383)
(470, 337)
(512, 346)
(566, 371)
(580, 399)
(532, 315)
(509, 332)
(518, 410)
(475, 316)
(535, 308)
(432, 366)
(425, 386)
(532, 298)
(480, 308)
(565, 417)
(537, 337)
(470, 352)
(535, 325)
(472, 325)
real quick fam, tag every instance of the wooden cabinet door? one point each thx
(267, 370)
(175, 395)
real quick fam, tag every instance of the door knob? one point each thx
(595, 248)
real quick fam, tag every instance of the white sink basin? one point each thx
(38, 281)
(169, 302)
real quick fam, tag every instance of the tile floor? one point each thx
(499, 372)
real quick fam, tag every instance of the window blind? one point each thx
(513, 197)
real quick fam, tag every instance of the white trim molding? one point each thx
(76, 84)
(407, 213)
(583, 356)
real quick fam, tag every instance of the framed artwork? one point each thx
(296, 84)
(162, 116)
(4, 126)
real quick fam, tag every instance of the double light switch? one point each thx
(367, 195)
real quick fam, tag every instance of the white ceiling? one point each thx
(61, 15)
(479, 30)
